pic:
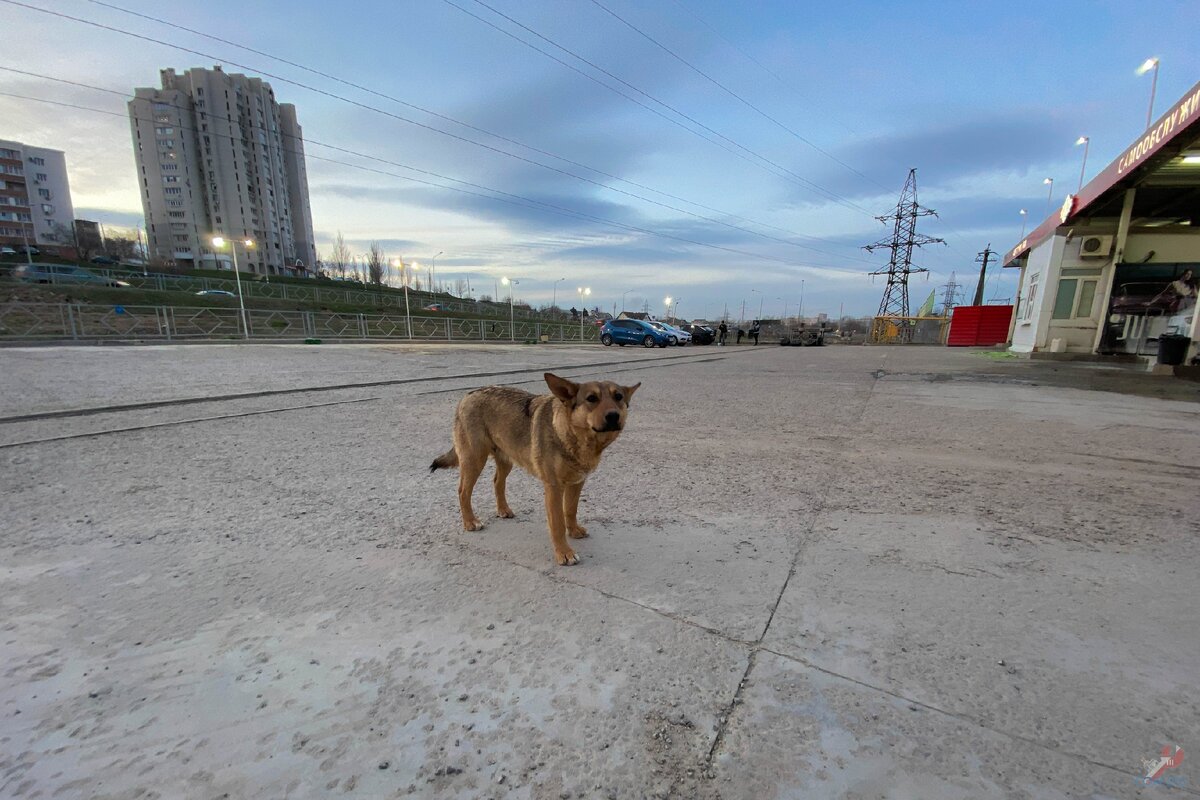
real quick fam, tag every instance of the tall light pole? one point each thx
(1150, 64)
(512, 328)
(784, 317)
(667, 309)
(583, 292)
(675, 311)
(1024, 214)
(1049, 192)
(760, 303)
(627, 291)
(800, 313)
(554, 294)
(1086, 142)
(219, 242)
(399, 264)
(433, 267)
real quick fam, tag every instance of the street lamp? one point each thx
(1024, 214)
(1049, 192)
(512, 332)
(667, 310)
(583, 292)
(1150, 64)
(433, 267)
(1085, 141)
(623, 299)
(219, 242)
(784, 317)
(554, 294)
(399, 264)
(800, 313)
(760, 303)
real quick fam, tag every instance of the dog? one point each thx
(558, 438)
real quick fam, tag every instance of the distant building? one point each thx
(218, 156)
(35, 198)
(88, 236)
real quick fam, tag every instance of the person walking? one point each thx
(722, 332)
(754, 330)
(740, 334)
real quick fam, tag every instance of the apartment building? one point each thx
(35, 198)
(218, 156)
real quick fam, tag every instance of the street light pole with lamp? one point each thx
(1086, 142)
(800, 313)
(667, 308)
(1024, 214)
(554, 294)
(399, 264)
(760, 302)
(433, 267)
(219, 242)
(512, 328)
(627, 291)
(583, 292)
(1150, 64)
(1049, 192)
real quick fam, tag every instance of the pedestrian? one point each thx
(754, 329)
(740, 334)
(722, 331)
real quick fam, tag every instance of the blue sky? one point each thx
(984, 99)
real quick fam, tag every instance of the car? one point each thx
(104, 261)
(435, 307)
(7, 251)
(62, 273)
(674, 335)
(214, 293)
(30, 249)
(701, 334)
(632, 331)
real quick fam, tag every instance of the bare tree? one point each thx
(339, 256)
(460, 287)
(376, 263)
(122, 247)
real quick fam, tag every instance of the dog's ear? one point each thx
(629, 390)
(563, 389)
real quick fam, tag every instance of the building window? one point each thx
(47, 208)
(1064, 299)
(166, 144)
(183, 239)
(165, 131)
(6, 153)
(1030, 297)
(176, 214)
(170, 179)
(41, 176)
(44, 194)
(173, 203)
(1087, 298)
(41, 162)
(168, 167)
(161, 107)
(173, 190)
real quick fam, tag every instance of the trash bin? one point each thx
(1172, 349)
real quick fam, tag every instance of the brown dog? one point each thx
(557, 438)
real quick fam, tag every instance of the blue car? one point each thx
(632, 331)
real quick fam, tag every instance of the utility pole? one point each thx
(949, 296)
(900, 244)
(982, 258)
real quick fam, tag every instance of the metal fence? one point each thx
(255, 286)
(909, 330)
(76, 321)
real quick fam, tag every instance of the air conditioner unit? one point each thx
(1095, 246)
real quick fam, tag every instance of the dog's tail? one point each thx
(445, 461)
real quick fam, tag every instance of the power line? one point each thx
(517, 200)
(730, 92)
(801, 180)
(444, 177)
(414, 122)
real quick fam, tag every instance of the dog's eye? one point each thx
(591, 398)
(618, 397)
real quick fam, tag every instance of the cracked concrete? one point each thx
(837, 572)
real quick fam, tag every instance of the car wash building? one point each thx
(1114, 271)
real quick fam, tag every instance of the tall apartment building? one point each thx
(35, 197)
(217, 156)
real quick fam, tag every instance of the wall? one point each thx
(1041, 259)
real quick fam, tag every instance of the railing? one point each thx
(77, 321)
(255, 286)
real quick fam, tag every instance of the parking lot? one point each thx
(812, 572)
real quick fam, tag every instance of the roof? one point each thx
(1152, 160)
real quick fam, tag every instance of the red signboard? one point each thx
(1183, 113)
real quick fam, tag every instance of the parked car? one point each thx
(674, 335)
(7, 251)
(62, 273)
(701, 334)
(214, 293)
(104, 261)
(33, 251)
(632, 331)
(435, 307)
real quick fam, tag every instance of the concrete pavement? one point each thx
(830, 572)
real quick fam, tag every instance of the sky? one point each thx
(730, 156)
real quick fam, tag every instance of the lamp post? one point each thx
(219, 242)
(1085, 141)
(667, 309)
(784, 317)
(399, 264)
(1049, 192)
(627, 291)
(583, 292)
(433, 267)
(760, 302)
(554, 294)
(1150, 64)
(675, 309)
(1024, 214)
(512, 332)
(800, 313)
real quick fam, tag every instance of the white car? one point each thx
(674, 335)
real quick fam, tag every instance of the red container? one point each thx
(979, 326)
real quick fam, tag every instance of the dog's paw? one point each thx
(472, 525)
(505, 513)
(566, 558)
(578, 532)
